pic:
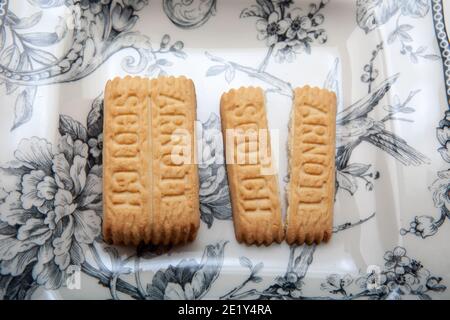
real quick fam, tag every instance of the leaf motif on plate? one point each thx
(40, 39)
(245, 262)
(42, 57)
(266, 5)
(23, 109)
(253, 11)
(230, 73)
(28, 22)
(347, 182)
(216, 70)
(415, 8)
(67, 125)
(356, 169)
(433, 57)
(10, 57)
(164, 62)
(210, 267)
(45, 4)
(188, 279)
(95, 117)
(2, 38)
(371, 14)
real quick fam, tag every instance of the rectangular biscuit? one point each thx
(312, 166)
(253, 184)
(150, 194)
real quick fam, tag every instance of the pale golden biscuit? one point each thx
(253, 184)
(310, 191)
(148, 195)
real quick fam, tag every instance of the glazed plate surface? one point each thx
(389, 65)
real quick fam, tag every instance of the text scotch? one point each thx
(146, 196)
(253, 184)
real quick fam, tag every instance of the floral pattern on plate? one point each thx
(50, 189)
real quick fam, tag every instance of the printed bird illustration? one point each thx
(354, 125)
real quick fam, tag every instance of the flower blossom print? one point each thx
(271, 28)
(286, 30)
(51, 180)
(50, 218)
(96, 30)
(337, 284)
(50, 207)
(401, 277)
(214, 193)
(289, 285)
(441, 191)
(189, 279)
(426, 225)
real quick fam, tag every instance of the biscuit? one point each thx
(310, 191)
(148, 195)
(253, 184)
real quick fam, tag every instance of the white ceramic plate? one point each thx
(389, 63)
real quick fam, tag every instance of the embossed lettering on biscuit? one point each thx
(150, 179)
(311, 165)
(254, 190)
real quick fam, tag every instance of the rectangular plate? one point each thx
(385, 63)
